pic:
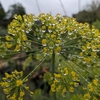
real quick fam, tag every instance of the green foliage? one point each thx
(96, 24)
(3, 31)
(2, 12)
(90, 14)
(15, 9)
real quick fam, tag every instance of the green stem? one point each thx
(53, 70)
(33, 70)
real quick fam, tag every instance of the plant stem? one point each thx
(53, 70)
(33, 70)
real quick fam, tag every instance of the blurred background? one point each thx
(83, 10)
(64, 7)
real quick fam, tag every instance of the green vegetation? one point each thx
(70, 49)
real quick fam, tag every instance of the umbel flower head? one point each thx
(58, 34)
(13, 85)
(49, 34)
(63, 77)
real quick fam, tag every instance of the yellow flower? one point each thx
(76, 84)
(56, 81)
(31, 93)
(84, 48)
(71, 83)
(88, 60)
(43, 27)
(8, 38)
(51, 51)
(45, 49)
(53, 36)
(58, 41)
(57, 75)
(13, 97)
(7, 75)
(65, 71)
(71, 89)
(20, 98)
(22, 94)
(98, 46)
(17, 48)
(58, 88)
(9, 45)
(6, 91)
(58, 49)
(68, 28)
(50, 27)
(95, 82)
(93, 48)
(73, 73)
(47, 35)
(24, 38)
(81, 53)
(13, 86)
(19, 82)
(90, 85)
(94, 54)
(4, 84)
(88, 45)
(91, 89)
(87, 96)
(63, 91)
(26, 87)
(44, 41)
(53, 87)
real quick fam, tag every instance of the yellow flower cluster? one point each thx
(65, 81)
(74, 41)
(54, 34)
(91, 46)
(87, 96)
(17, 29)
(51, 31)
(92, 88)
(13, 85)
